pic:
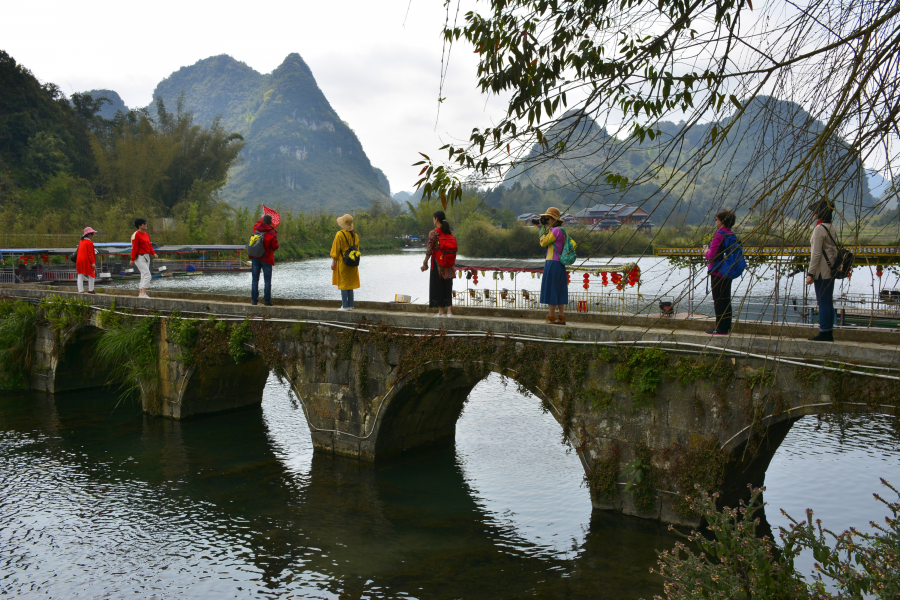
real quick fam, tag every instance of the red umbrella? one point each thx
(276, 218)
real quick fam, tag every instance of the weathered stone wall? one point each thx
(676, 410)
(186, 391)
(710, 419)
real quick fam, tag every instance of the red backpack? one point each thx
(446, 254)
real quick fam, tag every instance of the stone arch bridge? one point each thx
(646, 396)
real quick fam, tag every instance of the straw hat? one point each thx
(552, 212)
(346, 222)
(88, 230)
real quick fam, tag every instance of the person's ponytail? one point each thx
(445, 227)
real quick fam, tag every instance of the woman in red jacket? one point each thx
(85, 260)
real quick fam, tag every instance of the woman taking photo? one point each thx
(344, 276)
(554, 286)
(440, 288)
(822, 245)
(720, 284)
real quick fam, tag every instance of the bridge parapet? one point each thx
(654, 410)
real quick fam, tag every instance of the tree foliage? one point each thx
(735, 564)
(721, 70)
(166, 161)
(63, 166)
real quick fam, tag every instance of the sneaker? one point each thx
(448, 315)
(345, 308)
(439, 315)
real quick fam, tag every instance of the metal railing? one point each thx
(587, 302)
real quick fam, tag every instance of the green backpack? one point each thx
(567, 257)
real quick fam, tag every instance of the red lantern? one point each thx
(568, 277)
(878, 270)
(46, 258)
(605, 278)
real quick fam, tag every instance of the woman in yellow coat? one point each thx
(343, 275)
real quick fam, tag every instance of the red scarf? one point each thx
(819, 222)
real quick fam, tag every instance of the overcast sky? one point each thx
(377, 65)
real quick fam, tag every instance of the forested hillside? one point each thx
(763, 146)
(63, 166)
(299, 154)
(108, 109)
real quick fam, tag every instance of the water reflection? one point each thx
(99, 502)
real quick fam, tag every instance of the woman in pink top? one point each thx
(554, 283)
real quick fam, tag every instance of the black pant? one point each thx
(440, 290)
(721, 293)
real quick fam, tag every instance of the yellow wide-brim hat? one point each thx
(346, 222)
(552, 212)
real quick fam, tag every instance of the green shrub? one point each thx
(64, 315)
(735, 563)
(129, 349)
(240, 335)
(184, 333)
(18, 327)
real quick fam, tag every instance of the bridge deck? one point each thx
(857, 346)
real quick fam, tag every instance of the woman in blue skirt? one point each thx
(554, 287)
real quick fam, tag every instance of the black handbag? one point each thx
(351, 259)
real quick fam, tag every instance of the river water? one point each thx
(97, 500)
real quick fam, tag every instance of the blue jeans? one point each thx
(346, 298)
(825, 300)
(266, 269)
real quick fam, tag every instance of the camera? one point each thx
(541, 221)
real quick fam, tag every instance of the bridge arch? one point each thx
(421, 409)
(752, 447)
(189, 390)
(75, 366)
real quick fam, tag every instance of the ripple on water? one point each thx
(96, 502)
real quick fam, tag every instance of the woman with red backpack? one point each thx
(442, 252)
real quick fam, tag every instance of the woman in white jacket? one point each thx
(823, 252)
